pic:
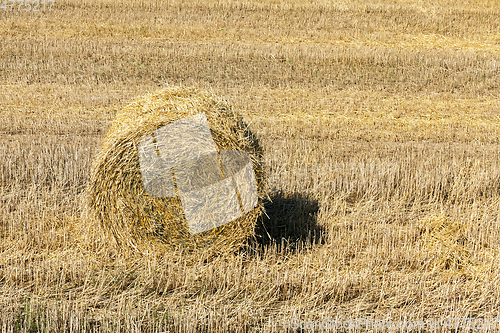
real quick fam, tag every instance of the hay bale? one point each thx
(136, 201)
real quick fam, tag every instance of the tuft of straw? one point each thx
(447, 244)
(115, 195)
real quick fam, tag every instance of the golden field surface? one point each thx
(380, 122)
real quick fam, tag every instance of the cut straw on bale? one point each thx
(145, 215)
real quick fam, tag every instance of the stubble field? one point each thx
(380, 124)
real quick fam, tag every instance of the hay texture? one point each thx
(118, 198)
(446, 243)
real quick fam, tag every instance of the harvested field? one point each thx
(380, 131)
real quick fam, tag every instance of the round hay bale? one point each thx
(148, 185)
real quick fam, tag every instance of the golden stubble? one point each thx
(379, 124)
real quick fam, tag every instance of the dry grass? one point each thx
(379, 123)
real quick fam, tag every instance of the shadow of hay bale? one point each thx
(290, 220)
